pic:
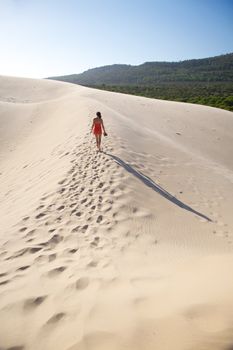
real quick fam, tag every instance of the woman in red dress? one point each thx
(97, 128)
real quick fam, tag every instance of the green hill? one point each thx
(205, 81)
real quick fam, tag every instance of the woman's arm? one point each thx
(92, 126)
(102, 123)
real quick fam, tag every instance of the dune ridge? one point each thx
(130, 248)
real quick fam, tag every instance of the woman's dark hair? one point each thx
(98, 114)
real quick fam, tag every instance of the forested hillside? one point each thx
(205, 81)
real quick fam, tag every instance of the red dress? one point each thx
(97, 130)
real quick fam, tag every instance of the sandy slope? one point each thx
(126, 249)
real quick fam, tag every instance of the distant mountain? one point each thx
(214, 69)
(207, 81)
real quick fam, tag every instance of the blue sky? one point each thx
(41, 38)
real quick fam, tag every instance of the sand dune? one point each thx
(127, 249)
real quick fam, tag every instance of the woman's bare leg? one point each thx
(97, 141)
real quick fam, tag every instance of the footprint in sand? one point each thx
(41, 215)
(61, 190)
(52, 230)
(73, 205)
(22, 268)
(59, 219)
(19, 253)
(3, 274)
(95, 241)
(34, 250)
(82, 283)
(30, 233)
(3, 254)
(55, 318)
(92, 264)
(32, 303)
(75, 229)
(40, 207)
(56, 271)
(73, 211)
(23, 229)
(52, 257)
(4, 282)
(61, 208)
(84, 228)
(61, 182)
(41, 259)
(55, 239)
(72, 251)
(99, 219)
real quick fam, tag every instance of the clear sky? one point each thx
(41, 38)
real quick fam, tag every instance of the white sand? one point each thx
(126, 249)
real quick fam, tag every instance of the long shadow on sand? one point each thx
(150, 183)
